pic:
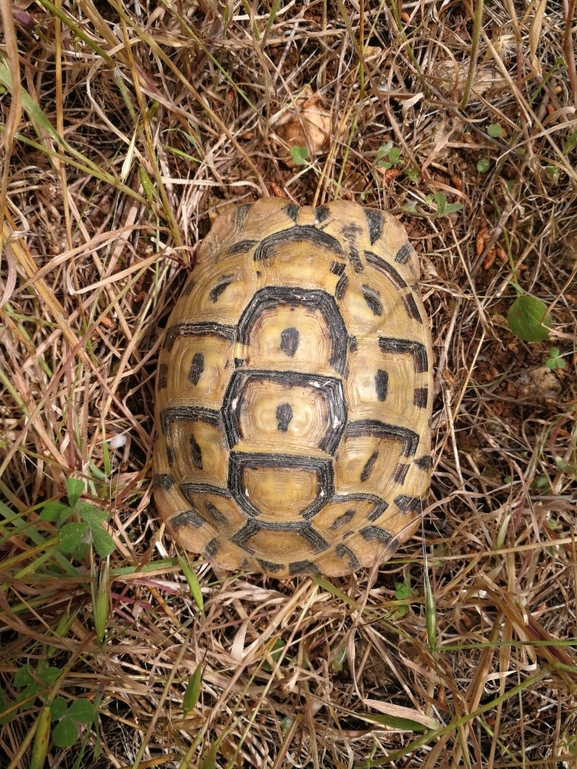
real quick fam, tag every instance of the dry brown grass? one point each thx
(132, 123)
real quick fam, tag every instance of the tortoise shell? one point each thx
(294, 392)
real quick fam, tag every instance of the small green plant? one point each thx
(570, 142)
(77, 536)
(562, 466)
(540, 483)
(275, 653)
(66, 732)
(403, 592)
(412, 174)
(483, 165)
(338, 662)
(555, 359)
(388, 155)
(32, 682)
(5, 704)
(552, 173)
(438, 205)
(495, 131)
(299, 155)
(528, 319)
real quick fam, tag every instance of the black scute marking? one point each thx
(289, 341)
(365, 427)
(337, 268)
(374, 224)
(292, 210)
(164, 481)
(270, 566)
(351, 231)
(424, 463)
(420, 397)
(162, 376)
(196, 368)
(342, 519)
(249, 529)
(375, 532)
(303, 567)
(195, 453)
(386, 269)
(283, 525)
(408, 504)
(186, 518)
(188, 414)
(211, 548)
(355, 260)
(242, 213)
(341, 287)
(215, 513)
(353, 344)
(188, 288)
(369, 465)
(411, 308)
(317, 540)
(373, 298)
(219, 287)
(381, 384)
(342, 550)
(400, 473)
(406, 347)
(404, 253)
(284, 414)
(321, 214)
(378, 509)
(197, 329)
(170, 455)
(241, 247)
(300, 233)
(189, 490)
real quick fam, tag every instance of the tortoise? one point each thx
(294, 392)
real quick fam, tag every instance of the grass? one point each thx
(124, 129)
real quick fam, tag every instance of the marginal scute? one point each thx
(294, 392)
